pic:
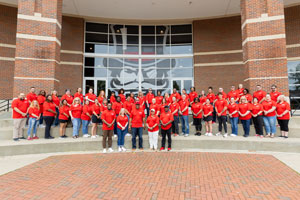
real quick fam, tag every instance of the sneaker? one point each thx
(115, 136)
(16, 139)
(261, 136)
(128, 134)
(62, 137)
(169, 149)
(141, 149)
(233, 135)
(120, 149)
(225, 135)
(257, 135)
(110, 150)
(123, 149)
(42, 126)
(217, 134)
(65, 136)
(206, 134)
(35, 137)
(86, 135)
(133, 149)
(93, 137)
(74, 137)
(210, 134)
(280, 136)
(245, 135)
(104, 151)
(186, 135)
(162, 148)
(96, 136)
(29, 138)
(286, 137)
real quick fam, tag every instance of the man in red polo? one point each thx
(20, 107)
(233, 94)
(259, 94)
(108, 118)
(174, 107)
(166, 119)
(137, 122)
(116, 106)
(31, 96)
(184, 112)
(192, 95)
(274, 94)
(221, 110)
(149, 98)
(175, 94)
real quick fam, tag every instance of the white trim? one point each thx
(38, 37)
(37, 17)
(137, 56)
(39, 59)
(264, 18)
(71, 52)
(219, 64)
(71, 63)
(35, 78)
(263, 59)
(266, 78)
(7, 45)
(292, 45)
(7, 59)
(293, 58)
(265, 37)
(217, 52)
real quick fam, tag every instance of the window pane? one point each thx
(182, 49)
(148, 50)
(130, 72)
(131, 82)
(132, 29)
(295, 90)
(115, 49)
(95, 37)
(181, 29)
(89, 84)
(163, 63)
(96, 48)
(148, 39)
(163, 50)
(131, 50)
(115, 62)
(115, 83)
(184, 72)
(162, 30)
(163, 73)
(115, 28)
(177, 84)
(184, 62)
(294, 78)
(187, 85)
(163, 39)
(132, 39)
(162, 84)
(148, 83)
(114, 72)
(95, 62)
(95, 72)
(115, 39)
(96, 27)
(131, 63)
(148, 73)
(293, 66)
(181, 39)
(148, 30)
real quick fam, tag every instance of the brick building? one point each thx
(110, 45)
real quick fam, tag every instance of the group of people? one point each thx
(122, 114)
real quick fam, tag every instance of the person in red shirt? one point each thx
(49, 115)
(155, 106)
(233, 109)
(112, 98)
(128, 108)
(41, 99)
(211, 96)
(221, 108)
(75, 114)
(56, 101)
(122, 95)
(153, 129)
(20, 108)
(137, 122)
(184, 112)
(175, 94)
(96, 117)
(192, 95)
(79, 94)
(163, 104)
(269, 117)
(247, 95)
(159, 98)
(149, 98)
(168, 98)
(283, 115)
(86, 117)
(104, 105)
(34, 116)
(166, 120)
(259, 94)
(203, 97)
(240, 90)
(63, 118)
(257, 112)
(197, 115)
(208, 110)
(117, 108)
(233, 93)
(132, 98)
(174, 107)
(274, 94)
(101, 96)
(91, 97)
(141, 98)
(108, 117)
(187, 97)
(122, 124)
(221, 90)
(67, 96)
(31, 96)
(245, 115)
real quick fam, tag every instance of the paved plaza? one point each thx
(160, 175)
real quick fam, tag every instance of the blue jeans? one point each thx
(126, 129)
(121, 136)
(115, 126)
(185, 124)
(234, 125)
(135, 132)
(85, 125)
(270, 124)
(41, 119)
(246, 126)
(32, 125)
(56, 122)
(76, 126)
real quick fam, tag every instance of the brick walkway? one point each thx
(153, 176)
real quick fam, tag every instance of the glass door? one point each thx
(180, 84)
(96, 84)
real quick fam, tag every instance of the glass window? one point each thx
(96, 27)
(181, 39)
(163, 63)
(148, 39)
(178, 29)
(115, 39)
(184, 72)
(162, 30)
(182, 49)
(132, 29)
(163, 73)
(115, 49)
(149, 73)
(95, 72)
(114, 72)
(294, 78)
(115, 62)
(96, 48)
(95, 62)
(131, 63)
(183, 62)
(293, 66)
(95, 37)
(148, 50)
(132, 39)
(89, 84)
(163, 50)
(115, 28)
(148, 29)
(131, 49)
(163, 40)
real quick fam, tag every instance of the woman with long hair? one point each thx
(86, 118)
(197, 115)
(56, 101)
(101, 96)
(96, 118)
(283, 115)
(63, 118)
(208, 117)
(49, 115)
(75, 114)
(122, 123)
(34, 116)
(257, 112)
(245, 115)
(41, 99)
(269, 117)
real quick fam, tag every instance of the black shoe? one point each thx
(285, 136)
(196, 133)
(22, 138)
(199, 134)
(50, 137)
(245, 135)
(281, 136)
(64, 136)
(16, 139)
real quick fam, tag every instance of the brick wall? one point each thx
(292, 25)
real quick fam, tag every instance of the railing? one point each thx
(5, 105)
(295, 105)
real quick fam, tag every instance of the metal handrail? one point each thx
(5, 105)
(297, 108)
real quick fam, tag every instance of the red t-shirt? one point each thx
(41, 99)
(55, 100)
(280, 108)
(156, 107)
(91, 96)
(103, 108)
(184, 104)
(176, 95)
(46, 107)
(211, 97)
(257, 108)
(21, 105)
(96, 108)
(31, 97)
(162, 107)
(192, 96)
(122, 120)
(69, 98)
(220, 105)
(142, 102)
(196, 107)
(33, 110)
(208, 108)
(248, 97)
(128, 106)
(151, 121)
(86, 109)
(243, 108)
(275, 95)
(137, 118)
(117, 107)
(259, 95)
(123, 98)
(173, 107)
(203, 99)
(80, 95)
(100, 99)
(233, 107)
(76, 110)
(267, 105)
(240, 91)
(159, 99)
(149, 97)
(165, 118)
(169, 100)
(233, 94)
(63, 109)
(132, 100)
(108, 116)
(112, 99)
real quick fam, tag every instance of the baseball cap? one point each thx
(152, 110)
(166, 107)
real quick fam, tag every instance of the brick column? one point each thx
(264, 44)
(38, 44)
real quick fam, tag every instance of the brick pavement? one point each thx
(167, 175)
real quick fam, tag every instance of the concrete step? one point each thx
(9, 147)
